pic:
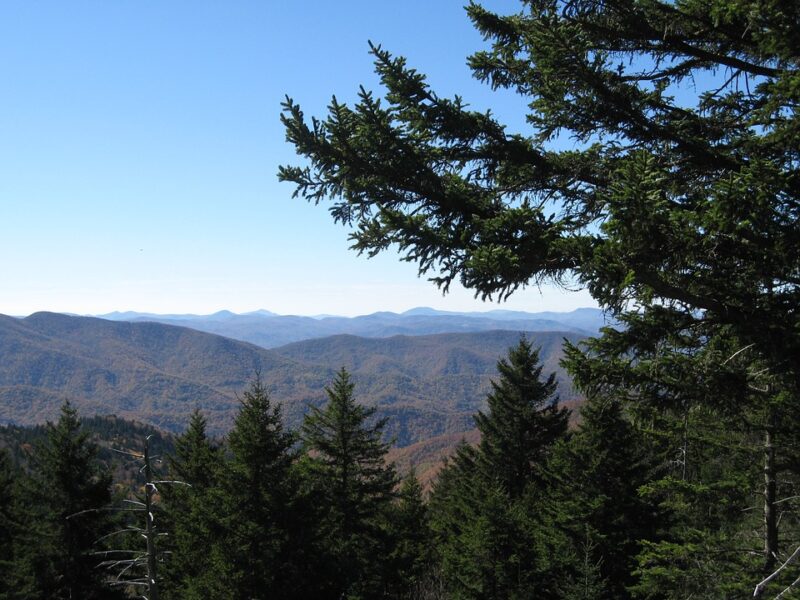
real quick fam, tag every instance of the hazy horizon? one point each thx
(494, 308)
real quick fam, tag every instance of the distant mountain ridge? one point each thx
(269, 330)
(158, 373)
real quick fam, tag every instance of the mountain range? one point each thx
(426, 385)
(268, 330)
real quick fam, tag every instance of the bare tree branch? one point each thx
(762, 586)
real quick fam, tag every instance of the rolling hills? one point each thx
(427, 385)
(147, 371)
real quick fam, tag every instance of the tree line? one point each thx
(621, 505)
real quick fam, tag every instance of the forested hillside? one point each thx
(656, 166)
(146, 371)
(158, 374)
(108, 433)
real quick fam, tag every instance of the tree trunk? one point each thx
(770, 512)
(152, 584)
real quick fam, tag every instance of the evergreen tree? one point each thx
(523, 422)
(711, 545)
(65, 497)
(259, 502)
(495, 537)
(677, 207)
(192, 516)
(8, 526)
(453, 507)
(196, 458)
(595, 495)
(680, 196)
(586, 582)
(488, 545)
(410, 562)
(347, 470)
(726, 435)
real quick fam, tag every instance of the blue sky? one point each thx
(139, 145)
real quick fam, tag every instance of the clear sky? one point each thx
(140, 141)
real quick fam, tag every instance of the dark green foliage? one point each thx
(708, 407)
(488, 545)
(191, 515)
(713, 543)
(680, 194)
(586, 581)
(64, 500)
(494, 535)
(106, 432)
(260, 491)
(410, 563)
(523, 422)
(7, 477)
(597, 475)
(676, 206)
(196, 458)
(353, 487)
(8, 525)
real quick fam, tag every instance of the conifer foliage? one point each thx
(8, 525)
(192, 515)
(626, 505)
(487, 507)
(523, 422)
(257, 507)
(64, 517)
(680, 195)
(347, 470)
(597, 500)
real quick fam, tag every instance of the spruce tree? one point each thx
(409, 566)
(8, 526)
(346, 467)
(522, 423)
(709, 486)
(66, 498)
(595, 496)
(192, 515)
(679, 196)
(488, 545)
(675, 204)
(725, 429)
(196, 459)
(259, 501)
(495, 537)
(453, 508)
(586, 582)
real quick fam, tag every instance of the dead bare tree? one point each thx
(138, 568)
